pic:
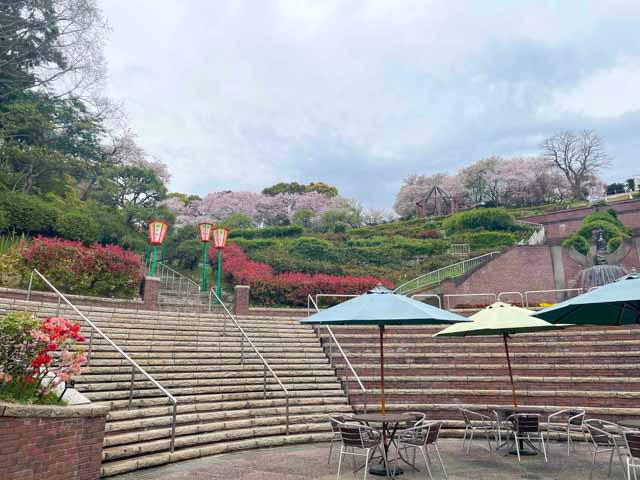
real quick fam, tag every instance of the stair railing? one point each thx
(133, 363)
(186, 288)
(333, 341)
(444, 273)
(265, 364)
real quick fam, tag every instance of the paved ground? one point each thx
(309, 462)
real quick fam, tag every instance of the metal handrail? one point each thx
(418, 296)
(187, 287)
(344, 356)
(264, 361)
(556, 290)
(134, 364)
(450, 271)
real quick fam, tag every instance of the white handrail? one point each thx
(344, 356)
(264, 361)
(133, 363)
(450, 271)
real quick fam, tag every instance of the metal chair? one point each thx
(566, 422)
(526, 428)
(605, 437)
(632, 442)
(335, 422)
(360, 441)
(477, 422)
(420, 438)
(414, 419)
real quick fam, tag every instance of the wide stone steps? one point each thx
(145, 461)
(224, 403)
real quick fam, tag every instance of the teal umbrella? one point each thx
(616, 303)
(381, 307)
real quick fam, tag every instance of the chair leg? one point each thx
(395, 461)
(593, 462)
(330, 451)
(610, 463)
(441, 462)
(386, 462)
(426, 462)
(473, 430)
(366, 464)
(340, 462)
(515, 436)
(544, 450)
(464, 437)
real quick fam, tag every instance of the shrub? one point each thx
(314, 249)
(608, 216)
(28, 370)
(238, 220)
(578, 242)
(486, 218)
(614, 243)
(486, 240)
(28, 214)
(77, 225)
(269, 232)
(609, 230)
(74, 268)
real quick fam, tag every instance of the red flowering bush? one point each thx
(290, 288)
(35, 357)
(75, 268)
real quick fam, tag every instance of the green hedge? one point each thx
(581, 244)
(268, 232)
(485, 218)
(314, 249)
(609, 230)
(78, 225)
(486, 240)
(28, 214)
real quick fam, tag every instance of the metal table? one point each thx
(503, 413)
(631, 424)
(390, 423)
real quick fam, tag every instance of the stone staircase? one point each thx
(592, 367)
(222, 404)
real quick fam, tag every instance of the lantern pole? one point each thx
(204, 267)
(218, 288)
(153, 261)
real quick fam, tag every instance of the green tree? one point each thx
(322, 188)
(303, 217)
(237, 221)
(283, 187)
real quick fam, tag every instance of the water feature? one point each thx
(599, 275)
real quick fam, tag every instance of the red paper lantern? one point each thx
(205, 230)
(157, 231)
(220, 237)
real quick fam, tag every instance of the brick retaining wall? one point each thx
(53, 443)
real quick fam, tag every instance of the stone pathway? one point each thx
(309, 462)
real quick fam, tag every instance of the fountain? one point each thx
(601, 273)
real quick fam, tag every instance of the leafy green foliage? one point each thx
(614, 243)
(268, 232)
(486, 240)
(78, 225)
(303, 218)
(485, 218)
(238, 221)
(578, 242)
(28, 214)
(314, 249)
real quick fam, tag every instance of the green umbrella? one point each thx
(616, 303)
(380, 306)
(500, 319)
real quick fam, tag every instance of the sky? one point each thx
(242, 94)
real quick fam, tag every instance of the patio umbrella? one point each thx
(500, 319)
(381, 307)
(616, 303)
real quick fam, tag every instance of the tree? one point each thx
(283, 187)
(322, 188)
(303, 218)
(128, 186)
(43, 42)
(614, 188)
(237, 221)
(579, 156)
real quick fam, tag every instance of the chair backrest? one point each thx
(527, 423)
(414, 419)
(599, 435)
(632, 438)
(432, 433)
(335, 423)
(352, 435)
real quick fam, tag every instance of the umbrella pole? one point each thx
(382, 367)
(513, 388)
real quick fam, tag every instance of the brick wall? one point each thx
(563, 223)
(518, 269)
(50, 443)
(78, 300)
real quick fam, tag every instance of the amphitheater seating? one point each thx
(594, 368)
(220, 402)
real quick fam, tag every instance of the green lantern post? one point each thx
(157, 232)
(205, 229)
(220, 235)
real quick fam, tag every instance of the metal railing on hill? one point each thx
(538, 237)
(134, 365)
(176, 281)
(444, 273)
(333, 341)
(265, 364)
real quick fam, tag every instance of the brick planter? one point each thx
(56, 443)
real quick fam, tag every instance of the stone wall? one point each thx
(52, 443)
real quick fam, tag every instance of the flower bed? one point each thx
(290, 288)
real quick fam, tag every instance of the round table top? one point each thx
(379, 418)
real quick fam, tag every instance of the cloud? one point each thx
(242, 94)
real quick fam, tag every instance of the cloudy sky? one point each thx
(240, 94)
